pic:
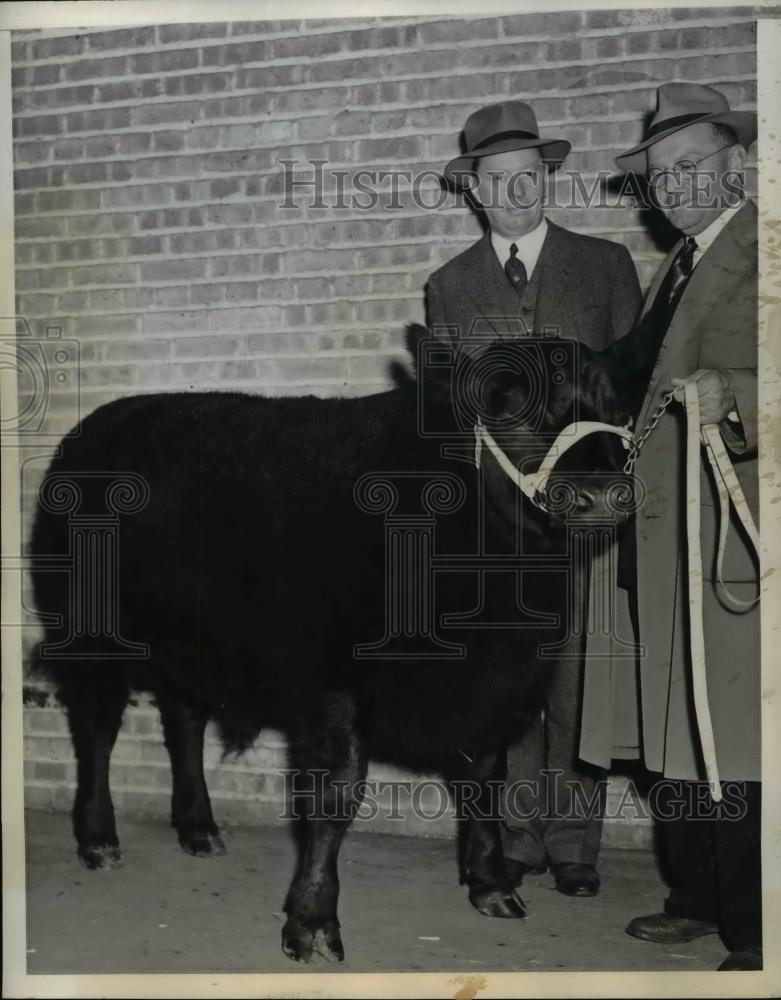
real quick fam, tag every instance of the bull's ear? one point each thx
(600, 375)
(413, 335)
(442, 367)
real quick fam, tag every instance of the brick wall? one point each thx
(149, 226)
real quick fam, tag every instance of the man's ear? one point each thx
(736, 157)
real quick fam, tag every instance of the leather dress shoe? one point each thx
(575, 879)
(748, 959)
(517, 869)
(665, 928)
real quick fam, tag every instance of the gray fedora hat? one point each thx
(500, 128)
(684, 104)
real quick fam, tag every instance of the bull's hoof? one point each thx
(97, 856)
(301, 941)
(498, 902)
(202, 843)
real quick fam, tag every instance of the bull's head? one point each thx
(540, 411)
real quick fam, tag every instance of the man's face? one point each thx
(511, 191)
(692, 178)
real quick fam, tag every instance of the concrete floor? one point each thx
(401, 909)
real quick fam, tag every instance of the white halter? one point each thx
(532, 484)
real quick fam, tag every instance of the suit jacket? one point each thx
(587, 290)
(714, 326)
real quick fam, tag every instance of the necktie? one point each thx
(666, 302)
(642, 349)
(515, 270)
(680, 270)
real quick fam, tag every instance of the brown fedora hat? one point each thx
(684, 104)
(500, 128)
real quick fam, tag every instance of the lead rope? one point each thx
(729, 489)
(694, 560)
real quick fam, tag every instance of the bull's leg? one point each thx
(191, 811)
(329, 764)
(95, 698)
(483, 865)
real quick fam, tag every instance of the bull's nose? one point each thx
(603, 497)
(610, 500)
(584, 502)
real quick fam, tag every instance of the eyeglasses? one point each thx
(683, 168)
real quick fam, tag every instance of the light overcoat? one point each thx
(714, 326)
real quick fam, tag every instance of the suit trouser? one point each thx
(563, 798)
(713, 867)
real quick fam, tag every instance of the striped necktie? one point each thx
(680, 270)
(652, 329)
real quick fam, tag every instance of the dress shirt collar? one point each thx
(529, 246)
(706, 238)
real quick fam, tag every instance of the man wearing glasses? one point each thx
(701, 316)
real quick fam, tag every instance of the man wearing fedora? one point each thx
(528, 276)
(701, 312)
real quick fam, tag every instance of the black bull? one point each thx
(244, 583)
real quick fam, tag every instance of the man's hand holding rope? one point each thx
(717, 400)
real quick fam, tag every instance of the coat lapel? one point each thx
(659, 277)
(559, 284)
(720, 270)
(487, 286)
